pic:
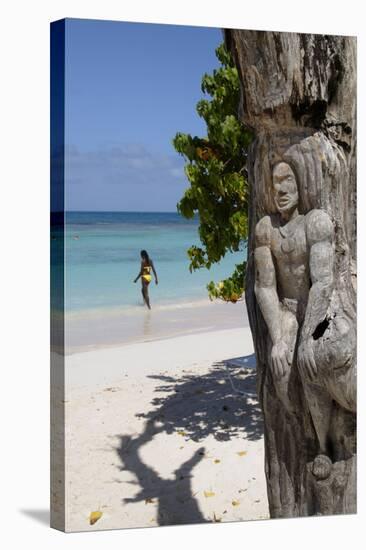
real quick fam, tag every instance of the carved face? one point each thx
(286, 196)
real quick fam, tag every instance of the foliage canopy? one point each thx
(216, 170)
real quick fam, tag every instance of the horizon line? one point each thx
(122, 211)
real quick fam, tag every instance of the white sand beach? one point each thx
(157, 435)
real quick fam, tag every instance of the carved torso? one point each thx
(291, 258)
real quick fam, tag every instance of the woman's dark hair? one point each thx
(145, 256)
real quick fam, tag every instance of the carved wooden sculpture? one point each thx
(299, 97)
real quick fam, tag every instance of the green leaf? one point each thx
(215, 169)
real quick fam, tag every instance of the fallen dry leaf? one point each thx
(149, 501)
(235, 503)
(216, 518)
(182, 432)
(242, 453)
(208, 494)
(94, 516)
(217, 461)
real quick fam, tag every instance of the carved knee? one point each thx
(322, 467)
(334, 353)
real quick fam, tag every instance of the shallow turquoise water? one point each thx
(102, 257)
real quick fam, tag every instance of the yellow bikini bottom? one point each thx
(147, 278)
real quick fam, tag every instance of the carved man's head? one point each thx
(286, 196)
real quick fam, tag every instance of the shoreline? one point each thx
(103, 328)
(162, 338)
(156, 435)
(133, 309)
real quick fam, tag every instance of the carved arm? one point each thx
(266, 293)
(319, 229)
(320, 233)
(265, 281)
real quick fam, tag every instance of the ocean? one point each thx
(102, 258)
(103, 305)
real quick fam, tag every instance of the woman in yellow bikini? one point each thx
(145, 274)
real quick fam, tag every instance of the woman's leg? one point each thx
(145, 293)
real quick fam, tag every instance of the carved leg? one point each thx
(320, 406)
(337, 493)
(337, 375)
(284, 436)
(280, 455)
(289, 327)
(343, 434)
(336, 361)
(332, 403)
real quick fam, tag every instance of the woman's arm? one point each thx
(139, 275)
(153, 268)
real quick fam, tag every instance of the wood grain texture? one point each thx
(298, 95)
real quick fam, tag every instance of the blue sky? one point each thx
(129, 88)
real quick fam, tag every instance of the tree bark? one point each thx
(298, 95)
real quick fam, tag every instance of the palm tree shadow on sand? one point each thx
(175, 501)
(196, 407)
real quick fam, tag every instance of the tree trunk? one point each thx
(298, 95)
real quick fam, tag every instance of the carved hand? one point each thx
(306, 360)
(281, 359)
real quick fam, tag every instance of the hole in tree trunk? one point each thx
(320, 329)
